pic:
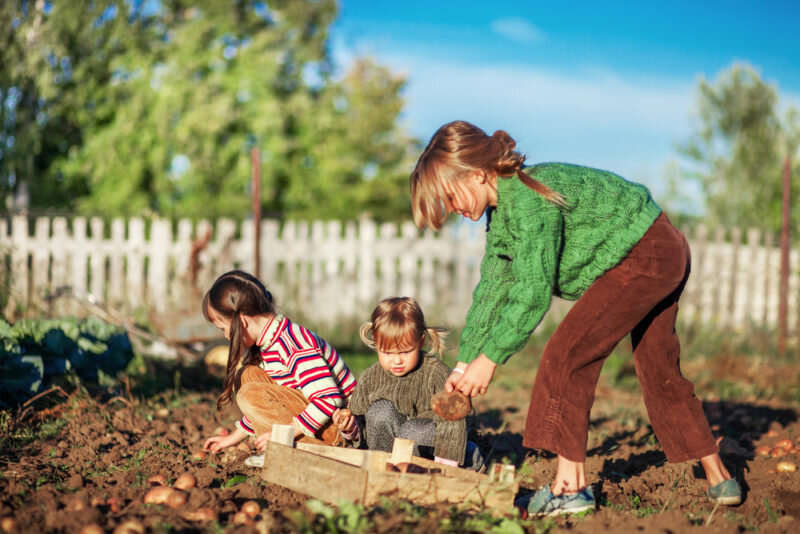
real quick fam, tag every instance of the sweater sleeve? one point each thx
(516, 298)
(450, 439)
(320, 388)
(487, 301)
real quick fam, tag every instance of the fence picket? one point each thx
(332, 273)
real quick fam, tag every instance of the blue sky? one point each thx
(607, 84)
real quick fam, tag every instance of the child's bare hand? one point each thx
(262, 440)
(475, 379)
(217, 443)
(344, 420)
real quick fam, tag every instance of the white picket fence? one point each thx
(330, 273)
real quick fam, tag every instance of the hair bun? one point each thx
(503, 137)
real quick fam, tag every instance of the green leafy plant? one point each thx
(35, 353)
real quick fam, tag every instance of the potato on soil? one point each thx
(762, 450)
(251, 508)
(115, 504)
(158, 495)
(94, 528)
(199, 455)
(176, 499)
(204, 514)
(777, 452)
(8, 524)
(786, 467)
(157, 480)
(129, 527)
(451, 406)
(241, 518)
(785, 444)
(185, 481)
(76, 504)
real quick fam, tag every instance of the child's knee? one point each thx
(381, 410)
(253, 374)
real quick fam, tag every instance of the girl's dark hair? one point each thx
(232, 294)
(455, 150)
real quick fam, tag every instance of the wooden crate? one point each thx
(333, 474)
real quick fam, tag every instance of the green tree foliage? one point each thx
(739, 149)
(165, 120)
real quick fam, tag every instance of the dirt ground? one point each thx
(86, 460)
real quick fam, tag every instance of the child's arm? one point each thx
(217, 443)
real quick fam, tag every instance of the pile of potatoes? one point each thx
(784, 448)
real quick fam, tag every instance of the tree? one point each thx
(217, 79)
(739, 149)
(56, 64)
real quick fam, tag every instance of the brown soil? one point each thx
(95, 466)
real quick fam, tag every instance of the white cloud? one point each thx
(592, 116)
(517, 29)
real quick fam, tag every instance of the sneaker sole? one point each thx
(564, 511)
(728, 501)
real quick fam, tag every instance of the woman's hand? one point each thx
(217, 443)
(473, 379)
(344, 420)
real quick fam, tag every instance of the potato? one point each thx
(777, 452)
(158, 495)
(763, 450)
(251, 508)
(157, 480)
(176, 499)
(241, 518)
(199, 455)
(185, 481)
(451, 406)
(201, 514)
(76, 504)
(786, 467)
(129, 527)
(115, 504)
(94, 528)
(8, 524)
(162, 412)
(785, 444)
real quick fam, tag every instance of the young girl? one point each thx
(579, 233)
(280, 372)
(393, 396)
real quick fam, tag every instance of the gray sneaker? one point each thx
(726, 492)
(255, 461)
(545, 503)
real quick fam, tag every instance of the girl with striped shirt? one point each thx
(279, 372)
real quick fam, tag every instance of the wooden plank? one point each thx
(402, 450)
(313, 475)
(283, 434)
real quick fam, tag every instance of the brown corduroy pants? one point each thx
(265, 403)
(639, 296)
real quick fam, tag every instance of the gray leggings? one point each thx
(384, 423)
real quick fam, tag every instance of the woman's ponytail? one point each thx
(510, 162)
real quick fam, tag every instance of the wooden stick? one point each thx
(283, 434)
(402, 450)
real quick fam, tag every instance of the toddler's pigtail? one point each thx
(367, 335)
(436, 334)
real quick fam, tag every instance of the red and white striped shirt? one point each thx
(295, 357)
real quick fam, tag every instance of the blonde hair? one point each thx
(398, 323)
(457, 149)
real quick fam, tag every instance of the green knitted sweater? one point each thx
(411, 395)
(535, 249)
